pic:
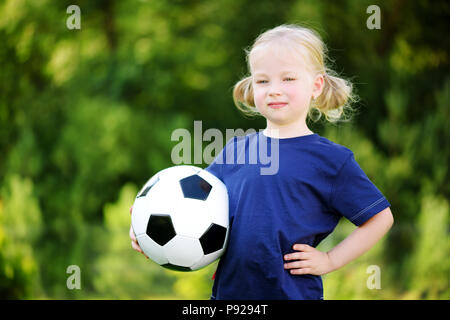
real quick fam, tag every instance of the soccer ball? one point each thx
(180, 218)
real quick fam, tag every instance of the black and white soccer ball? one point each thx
(180, 218)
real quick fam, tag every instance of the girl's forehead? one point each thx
(273, 57)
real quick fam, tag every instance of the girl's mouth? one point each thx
(277, 105)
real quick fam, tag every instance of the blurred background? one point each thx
(86, 117)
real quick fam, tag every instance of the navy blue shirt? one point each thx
(313, 185)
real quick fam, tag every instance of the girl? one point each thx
(277, 220)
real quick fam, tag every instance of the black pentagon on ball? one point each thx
(160, 228)
(175, 267)
(213, 239)
(195, 187)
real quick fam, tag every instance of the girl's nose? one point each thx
(274, 90)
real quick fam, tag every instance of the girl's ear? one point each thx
(318, 86)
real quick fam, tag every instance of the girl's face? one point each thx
(282, 86)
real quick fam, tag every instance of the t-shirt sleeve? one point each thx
(354, 196)
(215, 168)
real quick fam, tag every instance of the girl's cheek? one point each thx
(293, 91)
(259, 98)
(296, 95)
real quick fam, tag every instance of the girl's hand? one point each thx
(308, 260)
(134, 243)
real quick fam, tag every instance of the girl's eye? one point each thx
(289, 79)
(261, 81)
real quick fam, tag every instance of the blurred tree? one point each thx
(20, 227)
(121, 273)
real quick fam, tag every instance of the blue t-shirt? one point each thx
(299, 199)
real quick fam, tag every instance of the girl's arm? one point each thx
(309, 260)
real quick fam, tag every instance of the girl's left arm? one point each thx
(309, 260)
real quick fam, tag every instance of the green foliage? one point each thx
(121, 273)
(430, 265)
(20, 227)
(86, 117)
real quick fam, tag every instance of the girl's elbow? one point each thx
(389, 218)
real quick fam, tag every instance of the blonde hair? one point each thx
(337, 94)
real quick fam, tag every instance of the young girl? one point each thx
(278, 219)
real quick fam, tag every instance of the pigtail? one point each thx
(243, 97)
(335, 100)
